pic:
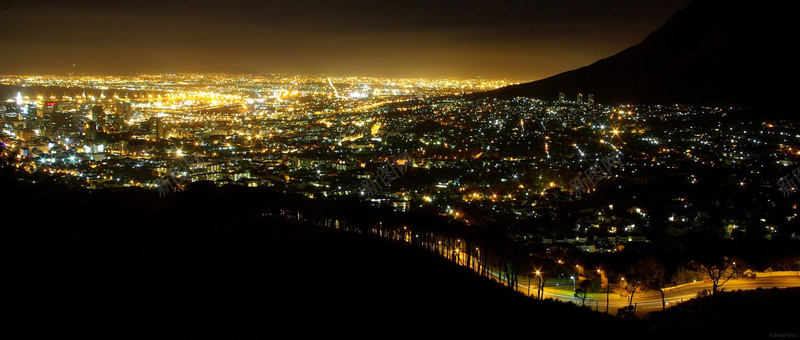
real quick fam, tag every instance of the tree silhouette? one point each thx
(544, 269)
(583, 290)
(684, 274)
(719, 272)
(653, 276)
(635, 277)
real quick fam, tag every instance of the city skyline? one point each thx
(579, 185)
(366, 169)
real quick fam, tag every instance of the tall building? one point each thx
(561, 97)
(123, 109)
(591, 99)
(159, 128)
(33, 109)
(45, 113)
(64, 124)
(11, 110)
(99, 116)
(580, 98)
(115, 123)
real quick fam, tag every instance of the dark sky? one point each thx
(521, 40)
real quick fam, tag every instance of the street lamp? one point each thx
(608, 287)
(540, 289)
(573, 282)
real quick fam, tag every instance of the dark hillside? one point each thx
(205, 263)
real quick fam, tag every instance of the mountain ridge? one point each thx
(712, 52)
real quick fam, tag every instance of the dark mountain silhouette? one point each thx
(712, 52)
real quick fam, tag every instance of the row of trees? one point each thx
(647, 273)
(486, 249)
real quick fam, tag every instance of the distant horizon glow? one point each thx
(448, 39)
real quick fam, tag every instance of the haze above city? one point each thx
(497, 40)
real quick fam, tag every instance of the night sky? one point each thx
(519, 40)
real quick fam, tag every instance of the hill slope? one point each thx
(713, 52)
(205, 264)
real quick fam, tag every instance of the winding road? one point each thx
(650, 300)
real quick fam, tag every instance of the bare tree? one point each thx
(545, 268)
(543, 276)
(719, 273)
(635, 276)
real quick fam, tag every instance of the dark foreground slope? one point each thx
(205, 264)
(713, 52)
(750, 314)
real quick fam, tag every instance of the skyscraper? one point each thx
(99, 116)
(159, 128)
(123, 109)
